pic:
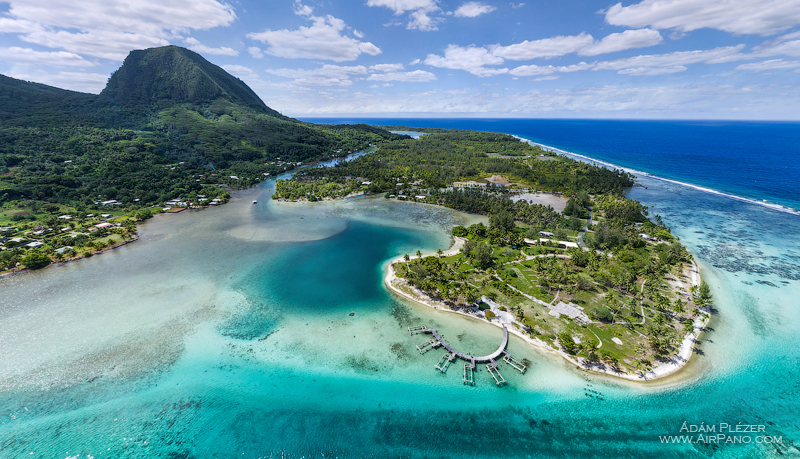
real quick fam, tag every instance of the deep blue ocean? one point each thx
(263, 329)
(754, 160)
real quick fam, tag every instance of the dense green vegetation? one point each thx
(436, 160)
(637, 293)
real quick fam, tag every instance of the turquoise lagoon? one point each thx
(227, 333)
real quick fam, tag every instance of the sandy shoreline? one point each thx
(678, 361)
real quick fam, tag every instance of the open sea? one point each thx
(227, 332)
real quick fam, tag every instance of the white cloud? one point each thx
(470, 58)
(516, 5)
(150, 17)
(401, 6)
(29, 56)
(327, 75)
(547, 78)
(761, 17)
(256, 52)
(414, 62)
(110, 28)
(240, 71)
(106, 44)
(628, 39)
(195, 45)
(322, 40)
(653, 102)
(75, 81)
(544, 48)
(386, 67)
(421, 20)
(473, 9)
(420, 16)
(772, 64)
(531, 70)
(680, 58)
(415, 76)
(652, 70)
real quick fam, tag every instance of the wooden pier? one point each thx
(445, 362)
(425, 347)
(468, 377)
(470, 360)
(498, 378)
(517, 365)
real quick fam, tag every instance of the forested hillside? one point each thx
(168, 123)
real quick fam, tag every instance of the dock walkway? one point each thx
(470, 359)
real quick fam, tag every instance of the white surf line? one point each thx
(768, 205)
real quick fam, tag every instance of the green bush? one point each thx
(603, 314)
(35, 260)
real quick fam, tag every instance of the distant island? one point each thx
(596, 280)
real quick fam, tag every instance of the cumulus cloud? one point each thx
(256, 52)
(544, 48)
(195, 45)
(674, 60)
(240, 71)
(652, 70)
(110, 28)
(473, 9)
(386, 67)
(772, 64)
(327, 75)
(760, 17)
(415, 76)
(324, 39)
(422, 20)
(473, 59)
(76, 81)
(628, 39)
(532, 70)
(29, 56)
(401, 6)
(106, 44)
(422, 16)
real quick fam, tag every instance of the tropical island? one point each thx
(599, 281)
(566, 260)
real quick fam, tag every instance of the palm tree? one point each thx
(439, 253)
(406, 258)
(419, 254)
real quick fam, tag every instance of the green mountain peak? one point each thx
(164, 76)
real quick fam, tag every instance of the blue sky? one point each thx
(663, 59)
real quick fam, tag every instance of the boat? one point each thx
(255, 202)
